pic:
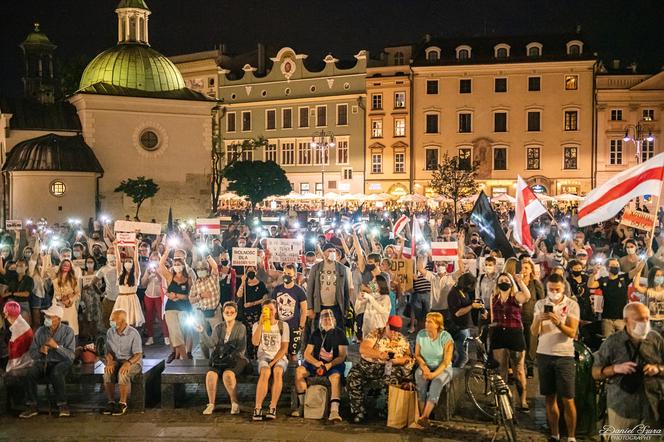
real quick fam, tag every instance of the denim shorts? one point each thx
(39, 303)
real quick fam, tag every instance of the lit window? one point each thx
(571, 82)
(377, 163)
(342, 152)
(149, 140)
(399, 162)
(399, 100)
(58, 188)
(648, 114)
(571, 120)
(570, 158)
(431, 160)
(465, 158)
(287, 154)
(399, 127)
(399, 58)
(533, 160)
(376, 128)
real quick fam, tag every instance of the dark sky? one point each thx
(627, 29)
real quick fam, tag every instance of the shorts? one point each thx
(295, 341)
(38, 303)
(507, 338)
(122, 379)
(557, 375)
(264, 362)
(338, 369)
(419, 303)
(239, 368)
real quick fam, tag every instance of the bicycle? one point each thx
(489, 392)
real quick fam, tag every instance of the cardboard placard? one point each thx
(126, 238)
(284, 250)
(13, 224)
(403, 269)
(211, 226)
(133, 226)
(244, 256)
(638, 220)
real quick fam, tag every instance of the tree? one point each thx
(257, 180)
(138, 190)
(455, 179)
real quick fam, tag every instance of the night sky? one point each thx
(630, 30)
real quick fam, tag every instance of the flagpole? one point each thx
(656, 222)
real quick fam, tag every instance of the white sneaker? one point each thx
(167, 341)
(209, 409)
(235, 408)
(149, 341)
(334, 416)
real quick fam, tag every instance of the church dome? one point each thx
(133, 66)
(37, 38)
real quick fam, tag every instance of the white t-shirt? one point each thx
(270, 341)
(551, 340)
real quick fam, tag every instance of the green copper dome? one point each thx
(133, 66)
(37, 37)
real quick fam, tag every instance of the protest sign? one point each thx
(132, 226)
(637, 220)
(13, 224)
(284, 250)
(244, 256)
(403, 269)
(126, 238)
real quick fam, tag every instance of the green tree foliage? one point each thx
(257, 180)
(454, 178)
(138, 190)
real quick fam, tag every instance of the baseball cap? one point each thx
(395, 322)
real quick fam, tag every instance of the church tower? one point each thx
(133, 22)
(38, 78)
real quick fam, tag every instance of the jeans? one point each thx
(429, 391)
(153, 311)
(460, 354)
(55, 373)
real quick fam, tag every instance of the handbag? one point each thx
(223, 357)
(402, 408)
(23, 361)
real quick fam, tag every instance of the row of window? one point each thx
(616, 153)
(295, 152)
(534, 84)
(399, 100)
(500, 51)
(646, 115)
(303, 118)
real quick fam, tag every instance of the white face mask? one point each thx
(631, 250)
(641, 329)
(128, 266)
(202, 273)
(553, 296)
(110, 260)
(332, 256)
(178, 269)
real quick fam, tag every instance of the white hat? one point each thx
(54, 310)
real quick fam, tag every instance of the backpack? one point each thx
(316, 401)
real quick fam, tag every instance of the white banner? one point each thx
(284, 250)
(13, 224)
(210, 226)
(133, 226)
(244, 256)
(126, 238)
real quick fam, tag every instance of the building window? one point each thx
(304, 153)
(534, 121)
(270, 119)
(616, 115)
(647, 150)
(321, 155)
(347, 173)
(465, 122)
(465, 86)
(534, 51)
(500, 122)
(432, 87)
(499, 158)
(399, 58)
(376, 101)
(570, 158)
(304, 188)
(399, 127)
(571, 120)
(534, 84)
(287, 154)
(304, 117)
(431, 124)
(533, 158)
(246, 121)
(342, 114)
(571, 82)
(57, 188)
(234, 153)
(431, 159)
(502, 53)
(149, 140)
(376, 128)
(399, 162)
(399, 100)
(463, 54)
(648, 114)
(342, 152)
(287, 118)
(574, 49)
(376, 163)
(230, 122)
(433, 55)
(500, 85)
(615, 151)
(321, 116)
(271, 152)
(465, 158)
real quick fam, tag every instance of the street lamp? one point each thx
(323, 140)
(639, 131)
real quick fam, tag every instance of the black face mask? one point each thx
(504, 286)
(369, 267)
(224, 262)
(287, 279)
(577, 272)
(251, 275)
(614, 270)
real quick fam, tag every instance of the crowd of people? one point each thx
(354, 283)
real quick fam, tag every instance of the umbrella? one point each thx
(331, 196)
(568, 197)
(503, 197)
(442, 199)
(374, 197)
(291, 196)
(309, 196)
(544, 197)
(412, 198)
(469, 199)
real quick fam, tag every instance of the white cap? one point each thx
(54, 310)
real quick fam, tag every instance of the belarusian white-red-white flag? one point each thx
(445, 251)
(604, 202)
(526, 209)
(399, 225)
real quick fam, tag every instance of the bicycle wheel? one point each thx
(479, 391)
(507, 416)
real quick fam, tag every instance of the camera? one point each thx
(390, 355)
(548, 309)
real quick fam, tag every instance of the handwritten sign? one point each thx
(133, 226)
(635, 219)
(13, 224)
(244, 256)
(284, 250)
(126, 238)
(403, 270)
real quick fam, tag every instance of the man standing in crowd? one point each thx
(291, 308)
(614, 290)
(328, 286)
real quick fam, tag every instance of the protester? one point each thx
(251, 295)
(291, 308)
(154, 287)
(20, 340)
(328, 286)
(654, 295)
(614, 291)
(177, 306)
(461, 301)
(128, 280)
(374, 299)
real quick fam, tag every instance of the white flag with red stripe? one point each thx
(399, 225)
(527, 208)
(208, 225)
(605, 201)
(445, 251)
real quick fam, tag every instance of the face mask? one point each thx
(614, 270)
(369, 267)
(442, 269)
(224, 262)
(251, 275)
(332, 257)
(20, 270)
(504, 286)
(202, 273)
(631, 250)
(555, 297)
(489, 269)
(114, 324)
(641, 329)
(48, 322)
(577, 272)
(77, 255)
(111, 260)
(128, 266)
(287, 279)
(178, 269)
(659, 280)
(90, 265)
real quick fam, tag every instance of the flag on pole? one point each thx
(604, 202)
(208, 225)
(489, 227)
(527, 208)
(399, 225)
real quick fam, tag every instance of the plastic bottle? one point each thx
(388, 368)
(266, 322)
